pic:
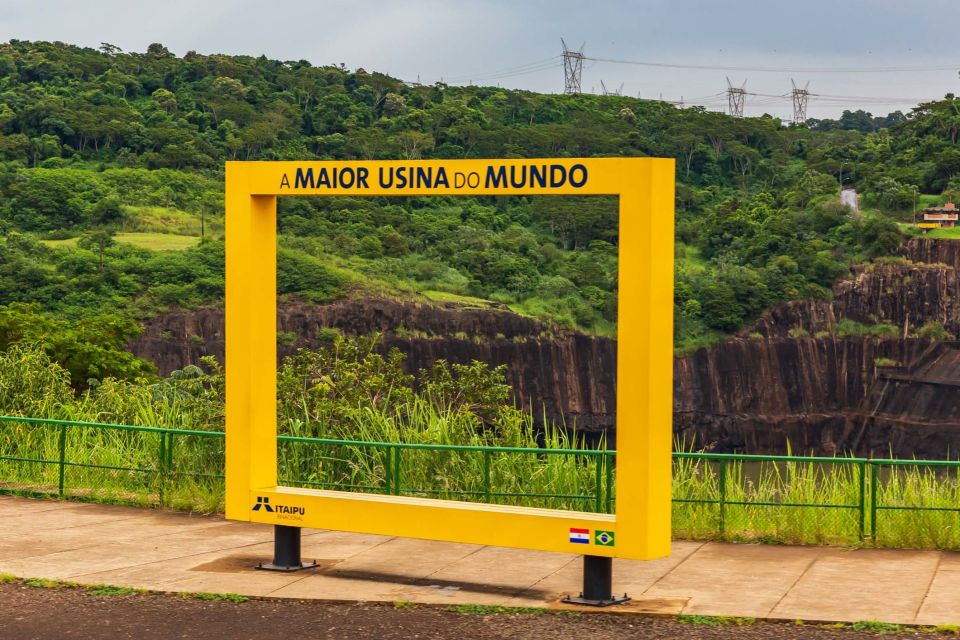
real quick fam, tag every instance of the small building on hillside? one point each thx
(945, 216)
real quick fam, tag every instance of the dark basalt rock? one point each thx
(821, 394)
(566, 375)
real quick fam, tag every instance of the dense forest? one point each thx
(111, 167)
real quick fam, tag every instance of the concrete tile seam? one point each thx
(675, 567)
(787, 591)
(926, 594)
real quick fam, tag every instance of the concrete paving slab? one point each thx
(949, 561)
(236, 562)
(337, 545)
(127, 529)
(333, 587)
(721, 578)
(10, 505)
(57, 519)
(942, 602)
(176, 552)
(629, 576)
(404, 559)
(249, 583)
(513, 569)
(864, 584)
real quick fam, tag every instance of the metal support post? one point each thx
(286, 550)
(597, 584)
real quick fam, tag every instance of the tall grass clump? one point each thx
(385, 430)
(346, 392)
(753, 492)
(936, 489)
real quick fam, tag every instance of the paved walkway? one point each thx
(166, 551)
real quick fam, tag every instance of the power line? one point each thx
(531, 67)
(672, 65)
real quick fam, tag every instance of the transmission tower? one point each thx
(607, 92)
(735, 98)
(572, 69)
(800, 97)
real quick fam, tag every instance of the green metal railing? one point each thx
(723, 460)
(161, 467)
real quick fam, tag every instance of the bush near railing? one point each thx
(782, 499)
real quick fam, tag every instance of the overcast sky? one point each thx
(516, 43)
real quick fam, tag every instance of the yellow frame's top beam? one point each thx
(553, 176)
(641, 527)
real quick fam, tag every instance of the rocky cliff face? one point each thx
(824, 394)
(568, 376)
(920, 286)
(829, 394)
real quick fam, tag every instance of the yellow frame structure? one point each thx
(640, 528)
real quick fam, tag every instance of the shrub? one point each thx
(934, 330)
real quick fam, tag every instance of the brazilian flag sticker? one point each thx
(603, 538)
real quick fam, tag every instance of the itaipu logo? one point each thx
(263, 503)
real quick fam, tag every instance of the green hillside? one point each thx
(104, 152)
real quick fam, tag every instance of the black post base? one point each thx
(597, 584)
(286, 551)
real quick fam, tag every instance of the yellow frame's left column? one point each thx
(251, 344)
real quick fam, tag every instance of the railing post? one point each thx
(486, 475)
(608, 463)
(874, 497)
(396, 471)
(388, 471)
(863, 499)
(63, 457)
(598, 481)
(169, 452)
(723, 497)
(161, 480)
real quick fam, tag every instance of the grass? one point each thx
(493, 610)
(944, 233)
(144, 219)
(112, 591)
(47, 583)
(145, 240)
(444, 296)
(689, 258)
(66, 242)
(235, 598)
(158, 241)
(715, 621)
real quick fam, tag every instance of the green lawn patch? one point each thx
(158, 241)
(444, 296)
(68, 243)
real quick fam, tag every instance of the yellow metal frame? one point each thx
(641, 527)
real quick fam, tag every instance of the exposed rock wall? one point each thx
(824, 394)
(567, 375)
(921, 287)
(827, 396)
